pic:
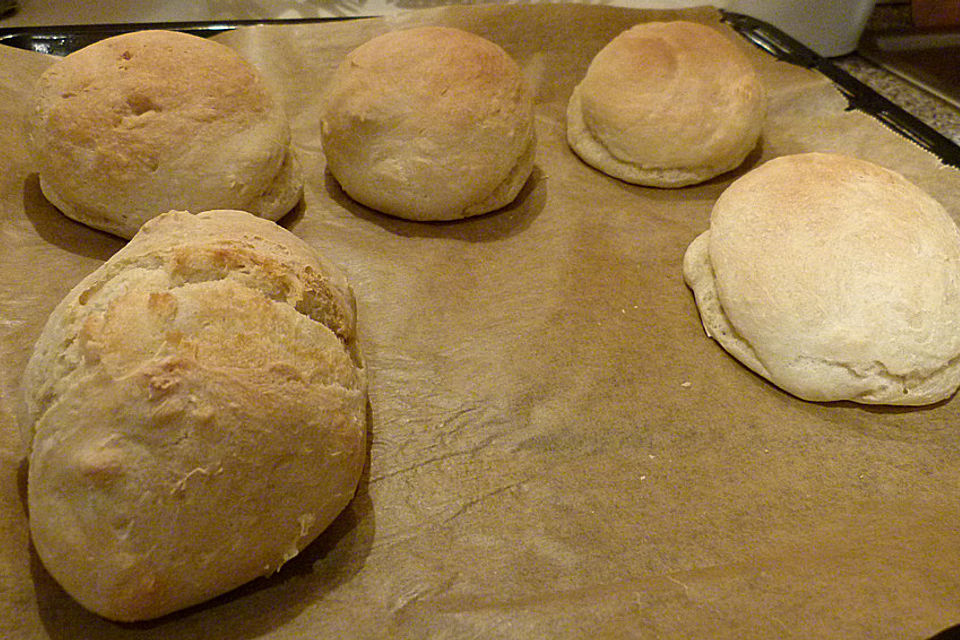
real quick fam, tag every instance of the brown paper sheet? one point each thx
(558, 450)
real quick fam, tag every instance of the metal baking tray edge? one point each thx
(61, 40)
(859, 96)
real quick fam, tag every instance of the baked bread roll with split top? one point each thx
(429, 123)
(835, 279)
(666, 104)
(195, 414)
(142, 123)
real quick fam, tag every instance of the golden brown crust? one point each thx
(666, 104)
(138, 124)
(196, 415)
(429, 123)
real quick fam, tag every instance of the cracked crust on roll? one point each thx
(196, 415)
(143, 123)
(835, 279)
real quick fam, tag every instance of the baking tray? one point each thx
(61, 40)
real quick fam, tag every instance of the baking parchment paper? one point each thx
(557, 449)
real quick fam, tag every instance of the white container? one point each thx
(828, 27)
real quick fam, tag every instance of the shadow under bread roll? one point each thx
(151, 121)
(835, 279)
(195, 414)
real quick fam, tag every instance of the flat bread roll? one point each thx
(195, 414)
(835, 279)
(666, 104)
(429, 123)
(138, 124)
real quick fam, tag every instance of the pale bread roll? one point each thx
(196, 414)
(835, 279)
(666, 104)
(429, 123)
(138, 124)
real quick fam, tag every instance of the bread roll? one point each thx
(835, 279)
(666, 104)
(195, 414)
(136, 125)
(429, 123)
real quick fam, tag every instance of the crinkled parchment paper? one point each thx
(558, 450)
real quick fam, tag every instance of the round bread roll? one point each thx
(835, 279)
(666, 104)
(429, 123)
(136, 125)
(196, 414)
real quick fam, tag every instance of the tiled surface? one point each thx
(939, 114)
